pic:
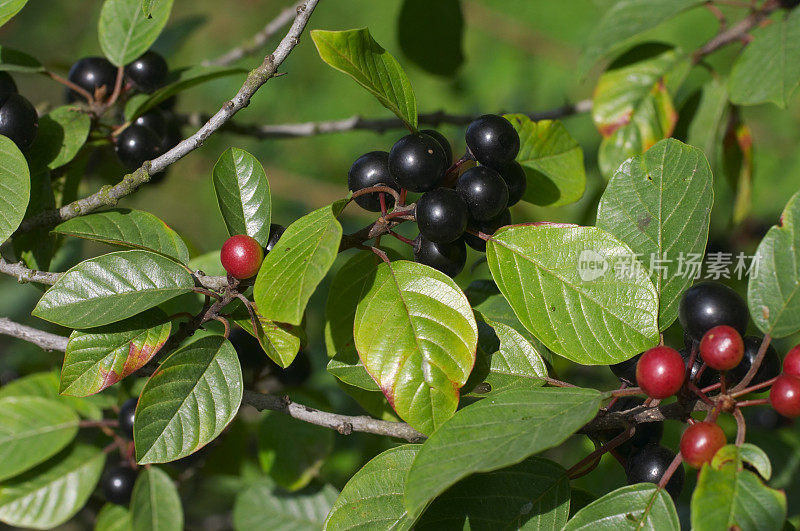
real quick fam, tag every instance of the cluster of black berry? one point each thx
(150, 134)
(454, 205)
(18, 118)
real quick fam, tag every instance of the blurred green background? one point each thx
(521, 56)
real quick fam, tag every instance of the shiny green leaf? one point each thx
(15, 187)
(155, 503)
(16, 61)
(124, 30)
(243, 194)
(9, 8)
(62, 133)
(263, 506)
(640, 506)
(113, 517)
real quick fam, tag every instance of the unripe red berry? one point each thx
(791, 363)
(241, 256)
(722, 348)
(785, 395)
(660, 372)
(700, 442)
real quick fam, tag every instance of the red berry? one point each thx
(700, 442)
(660, 372)
(791, 363)
(785, 395)
(241, 256)
(722, 348)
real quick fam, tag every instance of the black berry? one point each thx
(18, 120)
(709, 304)
(626, 370)
(417, 162)
(492, 140)
(275, 233)
(516, 180)
(7, 85)
(648, 464)
(770, 367)
(137, 144)
(155, 120)
(440, 138)
(449, 258)
(91, 74)
(441, 215)
(117, 484)
(486, 227)
(148, 72)
(369, 170)
(126, 417)
(709, 377)
(484, 192)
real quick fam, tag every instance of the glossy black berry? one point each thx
(514, 176)
(137, 144)
(417, 162)
(449, 258)
(148, 72)
(7, 85)
(126, 417)
(275, 233)
(441, 215)
(155, 119)
(440, 138)
(368, 170)
(770, 367)
(91, 74)
(487, 227)
(709, 304)
(492, 140)
(117, 484)
(648, 464)
(18, 120)
(484, 192)
(626, 370)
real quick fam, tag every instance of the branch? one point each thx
(737, 32)
(108, 196)
(23, 274)
(258, 40)
(43, 339)
(358, 123)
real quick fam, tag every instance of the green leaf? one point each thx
(486, 299)
(113, 517)
(155, 504)
(565, 284)
(292, 452)
(747, 452)
(704, 130)
(768, 70)
(62, 133)
(347, 367)
(727, 496)
(147, 7)
(9, 8)
(632, 107)
(243, 194)
(132, 229)
(264, 506)
(552, 159)
(179, 80)
(416, 335)
(46, 385)
(16, 61)
(280, 341)
(15, 186)
(373, 497)
(297, 264)
(31, 430)
(533, 494)
(189, 400)
(50, 494)
(494, 433)
(659, 203)
(356, 53)
(423, 26)
(100, 357)
(112, 287)
(124, 30)
(626, 19)
(772, 289)
(640, 506)
(505, 359)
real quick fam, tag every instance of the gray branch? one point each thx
(108, 196)
(45, 340)
(23, 274)
(358, 123)
(258, 40)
